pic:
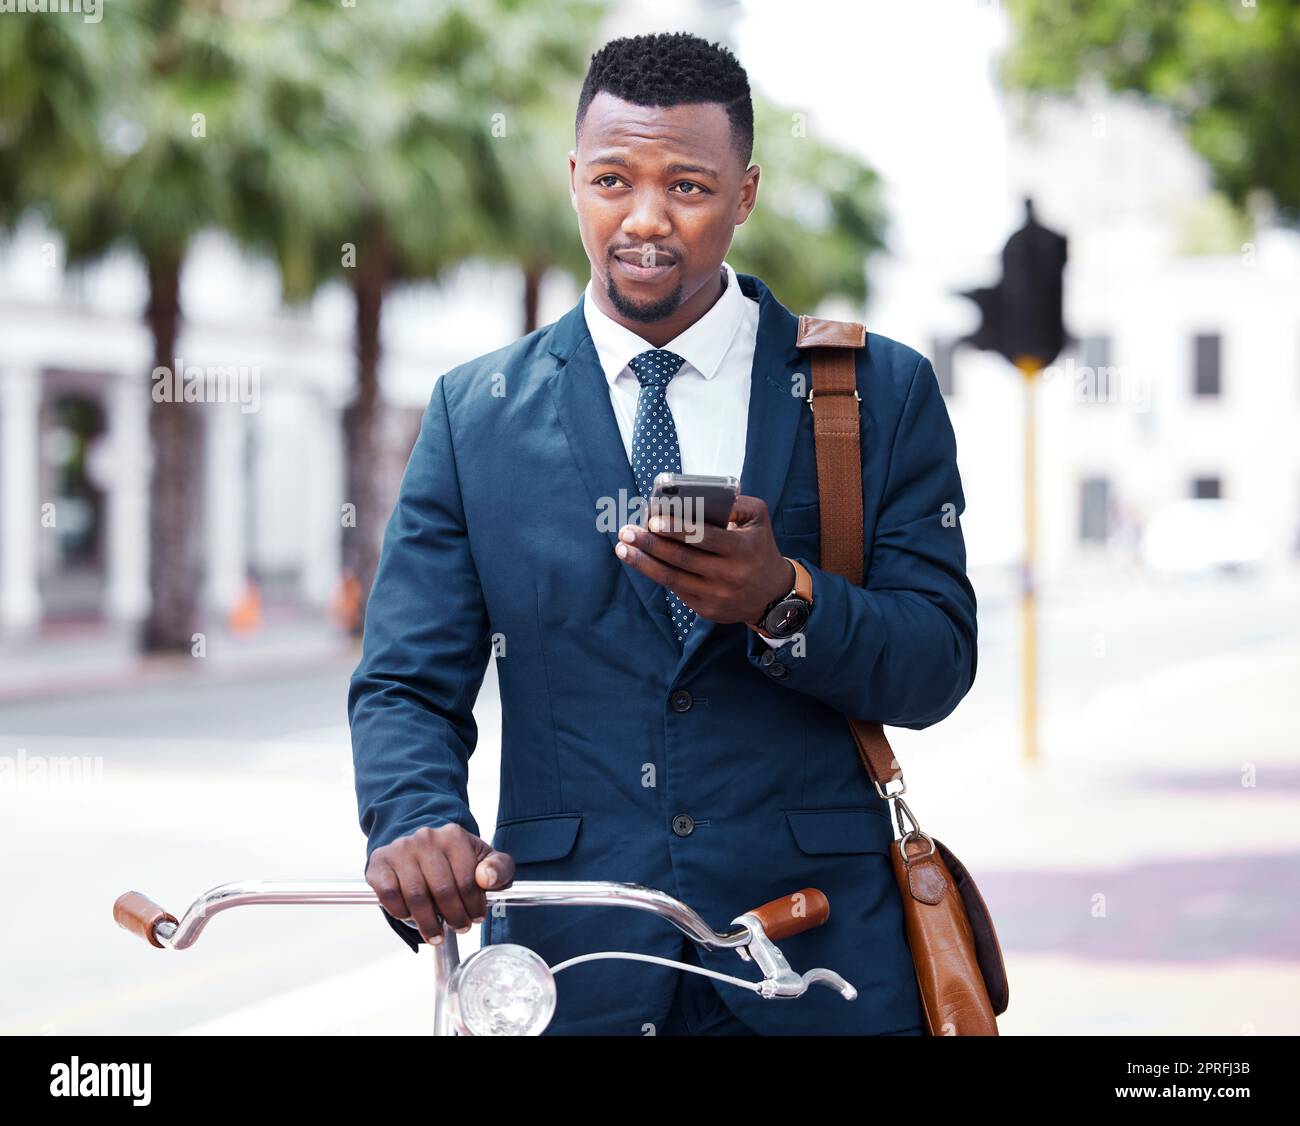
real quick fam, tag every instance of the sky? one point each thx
(909, 87)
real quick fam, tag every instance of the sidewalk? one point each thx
(77, 658)
(1144, 874)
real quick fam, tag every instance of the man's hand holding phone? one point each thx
(725, 574)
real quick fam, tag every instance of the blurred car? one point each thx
(1200, 535)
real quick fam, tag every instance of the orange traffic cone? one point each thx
(345, 607)
(246, 614)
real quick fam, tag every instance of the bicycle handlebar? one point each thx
(780, 918)
(752, 935)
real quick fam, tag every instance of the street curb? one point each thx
(168, 669)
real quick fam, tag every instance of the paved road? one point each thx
(1137, 883)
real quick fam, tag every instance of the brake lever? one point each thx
(779, 980)
(831, 980)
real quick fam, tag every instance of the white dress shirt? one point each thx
(708, 397)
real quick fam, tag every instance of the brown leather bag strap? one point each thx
(837, 439)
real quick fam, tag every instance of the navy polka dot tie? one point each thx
(654, 445)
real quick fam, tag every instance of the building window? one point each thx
(1207, 488)
(1096, 351)
(941, 349)
(1209, 356)
(1094, 510)
(1094, 383)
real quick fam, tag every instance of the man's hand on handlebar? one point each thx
(437, 874)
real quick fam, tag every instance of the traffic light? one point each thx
(1021, 317)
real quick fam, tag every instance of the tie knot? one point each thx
(655, 367)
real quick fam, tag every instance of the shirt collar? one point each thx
(702, 345)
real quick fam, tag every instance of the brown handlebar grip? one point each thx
(793, 914)
(139, 914)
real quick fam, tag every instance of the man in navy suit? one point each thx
(660, 726)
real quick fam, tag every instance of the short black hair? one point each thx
(671, 69)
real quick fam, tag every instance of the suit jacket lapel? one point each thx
(773, 419)
(581, 396)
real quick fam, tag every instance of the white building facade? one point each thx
(76, 362)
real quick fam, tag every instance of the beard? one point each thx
(646, 313)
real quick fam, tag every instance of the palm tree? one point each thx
(392, 144)
(118, 134)
(536, 228)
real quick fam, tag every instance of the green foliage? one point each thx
(427, 133)
(1231, 73)
(817, 218)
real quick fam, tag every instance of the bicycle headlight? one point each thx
(502, 990)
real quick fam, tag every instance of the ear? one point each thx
(748, 193)
(573, 182)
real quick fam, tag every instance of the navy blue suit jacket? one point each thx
(497, 543)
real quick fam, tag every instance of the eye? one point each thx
(699, 188)
(608, 176)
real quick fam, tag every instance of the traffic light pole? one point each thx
(1030, 369)
(1021, 319)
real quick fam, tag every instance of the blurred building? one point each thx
(1184, 378)
(75, 387)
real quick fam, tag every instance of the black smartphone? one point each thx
(694, 498)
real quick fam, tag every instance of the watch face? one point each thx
(787, 617)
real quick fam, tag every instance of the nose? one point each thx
(647, 221)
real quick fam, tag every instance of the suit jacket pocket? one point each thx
(532, 839)
(821, 831)
(800, 519)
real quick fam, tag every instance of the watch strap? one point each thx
(803, 588)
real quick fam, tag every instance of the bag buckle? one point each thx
(885, 793)
(902, 845)
(813, 391)
(915, 831)
(901, 807)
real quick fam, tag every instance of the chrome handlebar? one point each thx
(572, 893)
(746, 936)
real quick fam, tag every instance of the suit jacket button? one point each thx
(680, 701)
(778, 670)
(683, 825)
(768, 656)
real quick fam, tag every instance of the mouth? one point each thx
(629, 264)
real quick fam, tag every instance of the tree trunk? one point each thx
(175, 491)
(362, 423)
(532, 295)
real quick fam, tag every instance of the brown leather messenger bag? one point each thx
(959, 967)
